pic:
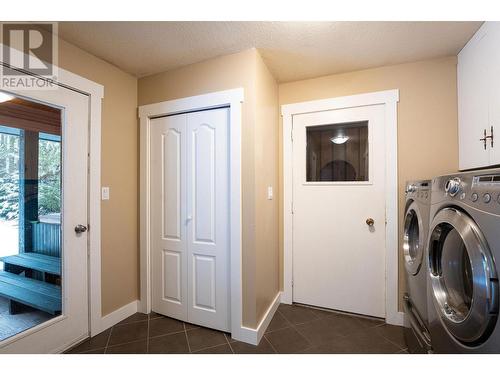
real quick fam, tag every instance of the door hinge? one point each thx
(291, 208)
(292, 283)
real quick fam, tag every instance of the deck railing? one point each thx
(46, 238)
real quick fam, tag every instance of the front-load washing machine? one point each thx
(415, 233)
(463, 252)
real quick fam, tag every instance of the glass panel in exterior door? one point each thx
(337, 152)
(30, 214)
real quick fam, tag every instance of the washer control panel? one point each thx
(418, 190)
(479, 189)
(453, 186)
(484, 192)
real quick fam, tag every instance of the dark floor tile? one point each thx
(137, 317)
(297, 314)
(92, 351)
(368, 322)
(95, 351)
(366, 341)
(96, 342)
(189, 326)
(169, 344)
(136, 347)
(319, 331)
(153, 315)
(264, 347)
(394, 334)
(287, 340)
(164, 326)
(220, 349)
(203, 338)
(124, 333)
(343, 325)
(323, 313)
(229, 338)
(277, 322)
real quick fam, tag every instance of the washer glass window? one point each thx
(413, 242)
(454, 268)
(412, 234)
(463, 276)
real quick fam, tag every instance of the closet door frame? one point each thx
(232, 99)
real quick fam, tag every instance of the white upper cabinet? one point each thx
(479, 99)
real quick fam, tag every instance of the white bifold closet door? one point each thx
(189, 217)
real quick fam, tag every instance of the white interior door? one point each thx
(168, 213)
(70, 325)
(189, 207)
(339, 210)
(207, 218)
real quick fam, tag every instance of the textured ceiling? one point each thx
(291, 50)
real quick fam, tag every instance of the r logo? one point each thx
(31, 47)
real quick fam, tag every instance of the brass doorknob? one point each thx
(370, 222)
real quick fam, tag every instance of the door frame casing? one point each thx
(95, 92)
(232, 99)
(388, 98)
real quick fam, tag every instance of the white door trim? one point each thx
(95, 92)
(389, 99)
(229, 98)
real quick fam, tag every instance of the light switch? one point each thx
(105, 193)
(269, 192)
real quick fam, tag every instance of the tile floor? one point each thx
(294, 329)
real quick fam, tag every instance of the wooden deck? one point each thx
(37, 294)
(37, 262)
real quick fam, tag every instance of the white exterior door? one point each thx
(72, 324)
(189, 208)
(339, 209)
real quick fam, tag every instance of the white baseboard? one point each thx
(254, 335)
(65, 347)
(396, 319)
(117, 316)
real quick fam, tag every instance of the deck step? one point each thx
(37, 294)
(38, 262)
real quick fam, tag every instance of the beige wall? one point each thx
(427, 118)
(266, 174)
(259, 119)
(119, 163)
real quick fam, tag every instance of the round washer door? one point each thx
(464, 283)
(413, 239)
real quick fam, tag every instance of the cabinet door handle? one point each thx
(484, 139)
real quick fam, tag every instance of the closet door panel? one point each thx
(207, 213)
(168, 207)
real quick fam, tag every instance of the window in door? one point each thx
(337, 152)
(30, 214)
